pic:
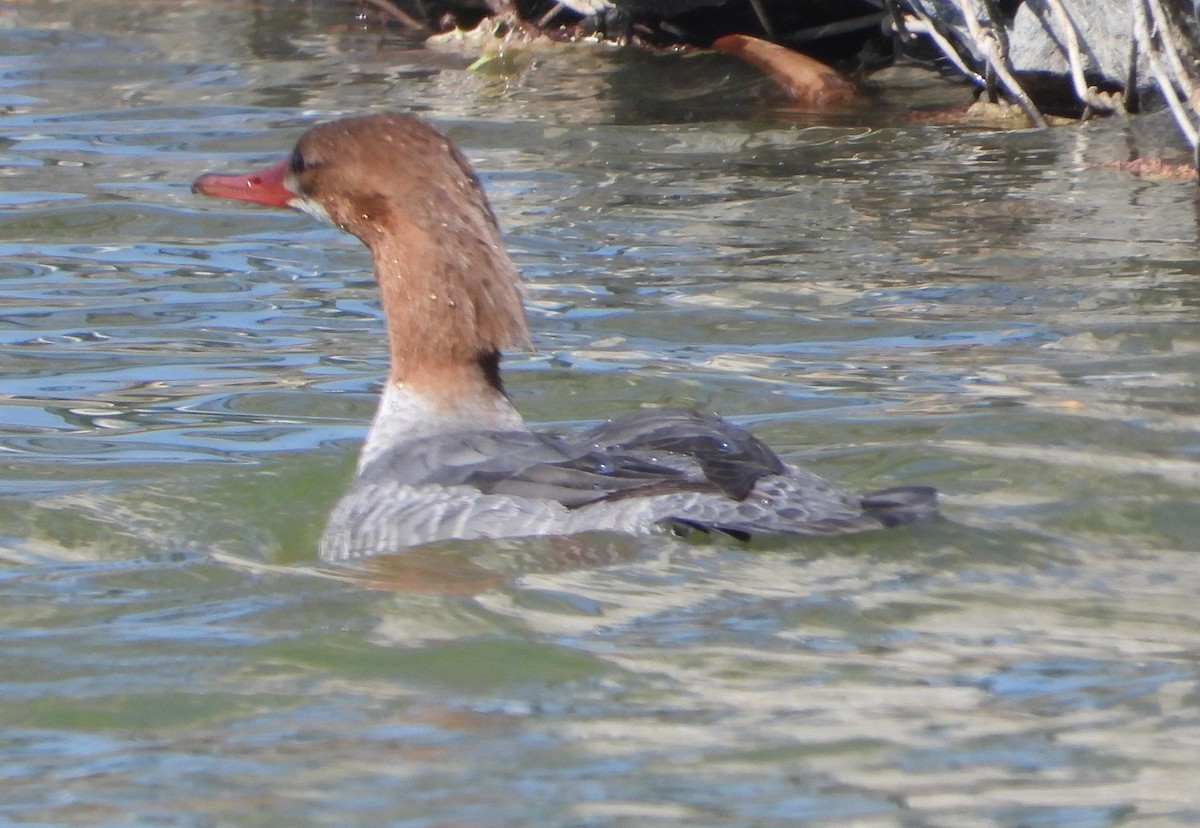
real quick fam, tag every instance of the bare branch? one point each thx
(990, 45)
(1087, 94)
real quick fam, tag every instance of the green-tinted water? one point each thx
(183, 383)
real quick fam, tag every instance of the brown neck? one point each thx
(454, 385)
(449, 313)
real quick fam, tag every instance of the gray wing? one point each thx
(645, 453)
(648, 469)
(755, 492)
(801, 503)
(729, 457)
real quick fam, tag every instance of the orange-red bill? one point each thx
(262, 187)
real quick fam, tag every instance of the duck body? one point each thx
(447, 455)
(648, 471)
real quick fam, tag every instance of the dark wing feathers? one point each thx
(648, 452)
(729, 457)
(578, 480)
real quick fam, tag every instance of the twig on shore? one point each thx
(1089, 95)
(1162, 70)
(990, 44)
(919, 23)
(406, 19)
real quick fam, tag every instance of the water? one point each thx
(891, 302)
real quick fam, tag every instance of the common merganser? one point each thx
(447, 455)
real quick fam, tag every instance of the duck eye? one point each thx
(296, 163)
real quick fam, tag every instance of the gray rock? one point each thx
(1038, 45)
(1104, 32)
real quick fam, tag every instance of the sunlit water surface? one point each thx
(184, 384)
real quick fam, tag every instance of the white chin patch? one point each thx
(307, 205)
(302, 203)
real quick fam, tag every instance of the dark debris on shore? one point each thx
(1069, 58)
